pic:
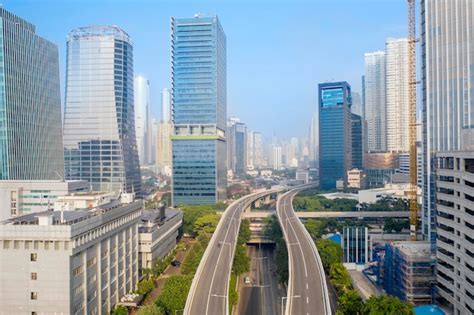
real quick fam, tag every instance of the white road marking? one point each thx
(307, 300)
(306, 286)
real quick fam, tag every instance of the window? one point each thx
(34, 276)
(34, 295)
(33, 257)
(34, 313)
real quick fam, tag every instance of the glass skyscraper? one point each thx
(30, 103)
(335, 153)
(199, 110)
(99, 121)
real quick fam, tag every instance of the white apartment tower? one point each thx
(397, 102)
(375, 100)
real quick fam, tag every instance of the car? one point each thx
(176, 263)
(247, 280)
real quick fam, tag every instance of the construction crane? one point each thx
(412, 118)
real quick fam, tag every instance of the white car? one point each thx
(247, 280)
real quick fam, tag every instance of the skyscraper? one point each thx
(357, 141)
(397, 102)
(143, 126)
(313, 138)
(374, 100)
(259, 149)
(236, 146)
(99, 119)
(448, 111)
(357, 105)
(30, 106)
(165, 130)
(199, 104)
(277, 157)
(166, 105)
(334, 133)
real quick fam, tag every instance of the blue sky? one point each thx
(277, 51)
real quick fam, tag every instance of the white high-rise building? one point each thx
(375, 106)
(250, 149)
(166, 105)
(313, 139)
(143, 125)
(258, 149)
(397, 104)
(357, 105)
(277, 157)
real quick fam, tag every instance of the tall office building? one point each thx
(374, 100)
(448, 111)
(143, 125)
(166, 105)
(357, 141)
(164, 132)
(30, 106)
(313, 138)
(99, 119)
(357, 105)
(397, 90)
(199, 102)
(236, 146)
(447, 89)
(277, 163)
(259, 149)
(250, 149)
(335, 153)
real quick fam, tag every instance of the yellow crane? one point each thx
(412, 118)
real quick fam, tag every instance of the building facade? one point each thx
(78, 261)
(157, 236)
(30, 106)
(236, 146)
(356, 246)
(335, 148)
(199, 104)
(99, 120)
(447, 89)
(455, 229)
(397, 102)
(375, 100)
(357, 134)
(143, 121)
(22, 197)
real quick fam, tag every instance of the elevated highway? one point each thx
(210, 287)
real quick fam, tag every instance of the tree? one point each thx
(315, 228)
(350, 303)
(206, 223)
(387, 305)
(150, 309)
(330, 252)
(119, 310)
(340, 278)
(244, 232)
(241, 261)
(391, 224)
(174, 293)
(145, 286)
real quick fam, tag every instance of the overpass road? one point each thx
(209, 289)
(307, 288)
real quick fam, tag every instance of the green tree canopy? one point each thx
(387, 305)
(174, 294)
(206, 223)
(350, 303)
(151, 309)
(330, 253)
(119, 310)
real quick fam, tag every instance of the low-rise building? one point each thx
(356, 179)
(20, 197)
(356, 244)
(389, 190)
(73, 260)
(409, 271)
(302, 175)
(157, 234)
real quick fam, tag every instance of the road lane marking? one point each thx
(307, 300)
(306, 286)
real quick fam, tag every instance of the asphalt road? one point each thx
(262, 295)
(209, 291)
(306, 285)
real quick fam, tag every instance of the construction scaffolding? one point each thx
(409, 271)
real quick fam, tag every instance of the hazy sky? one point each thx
(277, 51)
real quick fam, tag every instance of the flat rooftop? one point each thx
(414, 249)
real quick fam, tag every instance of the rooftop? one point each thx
(99, 31)
(414, 249)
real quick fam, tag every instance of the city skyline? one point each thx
(265, 65)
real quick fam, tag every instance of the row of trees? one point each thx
(273, 231)
(320, 203)
(241, 261)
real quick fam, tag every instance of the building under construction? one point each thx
(409, 271)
